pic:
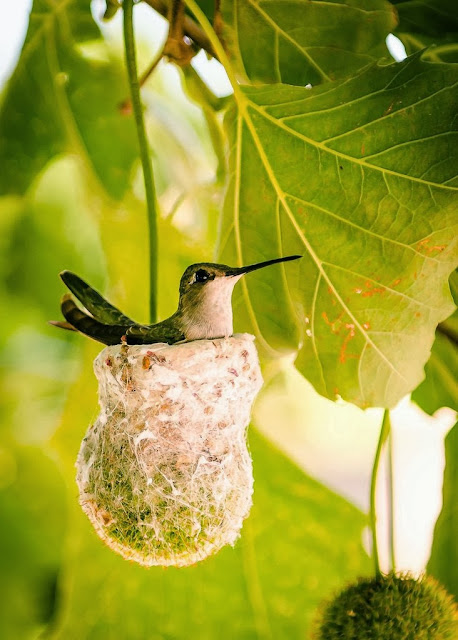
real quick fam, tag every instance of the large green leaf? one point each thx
(429, 17)
(299, 543)
(361, 177)
(61, 101)
(32, 512)
(443, 563)
(300, 42)
(440, 388)
(429, 22)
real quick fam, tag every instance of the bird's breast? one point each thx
(210, 316)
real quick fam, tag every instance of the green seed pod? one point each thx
(164, 474)
(390, 608)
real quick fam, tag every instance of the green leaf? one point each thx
(361, 177)
(299, 543)
(32, 510)
(443, 563)
(439, 388)
(59, 101)
(429, 22)
(430, 17)
(300, 42)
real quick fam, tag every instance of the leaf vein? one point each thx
(362, 229)
(340, 154)
(286, 36)
(385, 116)
(306, 243)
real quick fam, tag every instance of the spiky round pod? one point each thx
(390, 608)
(164, 474)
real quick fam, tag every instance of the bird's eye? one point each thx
(202, 275)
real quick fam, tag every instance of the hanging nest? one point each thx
(164, 474)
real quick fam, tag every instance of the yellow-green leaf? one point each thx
(361, 178)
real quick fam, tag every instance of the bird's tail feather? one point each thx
(62, 325)
(84, 323)
(91, 299)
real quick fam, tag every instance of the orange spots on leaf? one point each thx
(344, 355)
(418, 314)
(370, 290)
(336, 325)
(366, 325)
(396, 282)
(363, 149)
(423, 245)
(337, 328)
(332, 294)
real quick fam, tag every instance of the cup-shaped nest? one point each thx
(164, 474)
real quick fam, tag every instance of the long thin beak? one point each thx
(240, 271)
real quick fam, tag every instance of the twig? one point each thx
(384, 431)
(391, 524)
(150, 191)
(190, 27)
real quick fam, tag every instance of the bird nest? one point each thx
(164, 474)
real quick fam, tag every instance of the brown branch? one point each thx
(176, 47)
(190, 28)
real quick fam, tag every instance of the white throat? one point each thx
(212, 316)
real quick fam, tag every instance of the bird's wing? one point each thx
(84, 323)
(165, 331)
(96, 304)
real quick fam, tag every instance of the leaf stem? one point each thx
(215, 42)
(191, 28)
(150, 190)
(391, 531)
(384, 431)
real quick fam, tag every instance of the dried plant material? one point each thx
(164, 474)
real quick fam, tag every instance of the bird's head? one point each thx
(206, 291)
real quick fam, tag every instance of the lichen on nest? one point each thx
(164, 474)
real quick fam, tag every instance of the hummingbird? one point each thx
(204, 308)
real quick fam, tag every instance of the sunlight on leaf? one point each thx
(361, 177)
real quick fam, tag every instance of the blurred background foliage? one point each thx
(71, 197)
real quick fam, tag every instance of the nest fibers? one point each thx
(164, 474)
